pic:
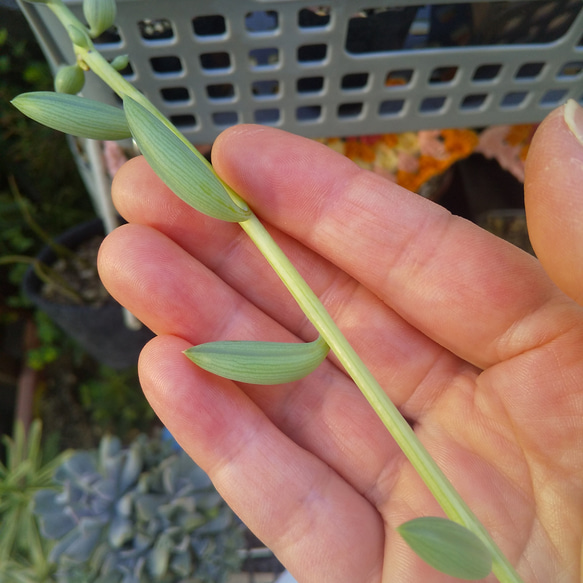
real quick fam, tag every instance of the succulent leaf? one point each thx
(74, 115)
(121, 530)
(180, 166)
(120, 62)
(138, 527)
(448, 546)
(131, 469)
(79, 36)
(263, 363)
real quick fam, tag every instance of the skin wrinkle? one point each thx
(225, 464)
(380, 489)
(427, 392)
(290, 315)
(512, 342)
(330, 294)
(485, 291)
(360, 189)
(539, 531)
(537, 489)
(309, 416)
(314, 498)
(228, 319)
(423, 258)
(504, 445)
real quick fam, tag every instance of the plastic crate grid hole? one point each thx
(347, 68)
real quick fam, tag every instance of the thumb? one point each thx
(554, 197)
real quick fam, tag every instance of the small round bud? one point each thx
(69, 79)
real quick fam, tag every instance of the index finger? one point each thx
(464, 288)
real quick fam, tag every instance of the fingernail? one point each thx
(573, 116)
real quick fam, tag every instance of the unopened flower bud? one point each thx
(79, 36)
(120, 62)
(100, 15)
(69, 79)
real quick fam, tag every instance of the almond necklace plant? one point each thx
(459, 546)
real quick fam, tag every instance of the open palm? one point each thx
(471, 338)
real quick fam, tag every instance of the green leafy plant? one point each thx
(46, 273)
(36, 158)
(23, 551)
(141, 514)
(193, 180)
(115, 403)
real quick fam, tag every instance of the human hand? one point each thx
(471, 338)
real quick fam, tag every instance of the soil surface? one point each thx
(77, 280)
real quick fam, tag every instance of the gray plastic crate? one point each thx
(346, 67)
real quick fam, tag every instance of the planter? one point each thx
(100, 330)
(508, 224)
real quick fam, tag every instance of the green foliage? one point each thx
(73, 114)
(38, 159)
(69, 79)
(448, 547)
(264, 363)
(53, 342)
(180, 165)
(23, 552)
(143, 514)
(115, 403)
(99, 14)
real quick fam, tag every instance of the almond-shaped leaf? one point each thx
(448, 547)
(79, 36)
(262, 363)
(78, 116)
(180, 166)
(100, 15)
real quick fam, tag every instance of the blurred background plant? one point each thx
(143, 513)
(38, 159)
(29, 469)
(38, 162)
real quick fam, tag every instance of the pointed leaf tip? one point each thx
(180, 166)
(448, 547)
(261, 363)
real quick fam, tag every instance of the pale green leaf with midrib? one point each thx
(448, 547)
(180, 166)
(262, 363)
(71, 114)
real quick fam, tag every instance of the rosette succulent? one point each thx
(142, 514)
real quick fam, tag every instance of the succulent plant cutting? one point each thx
(470, 555)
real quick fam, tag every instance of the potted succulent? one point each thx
(72, 295)
(459, 546)
(144, 513)
(38, 178)
(62, 281)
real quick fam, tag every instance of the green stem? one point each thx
(103, 69)
(451, 502)
(46, 274)
(441, 488)
(59, 250)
